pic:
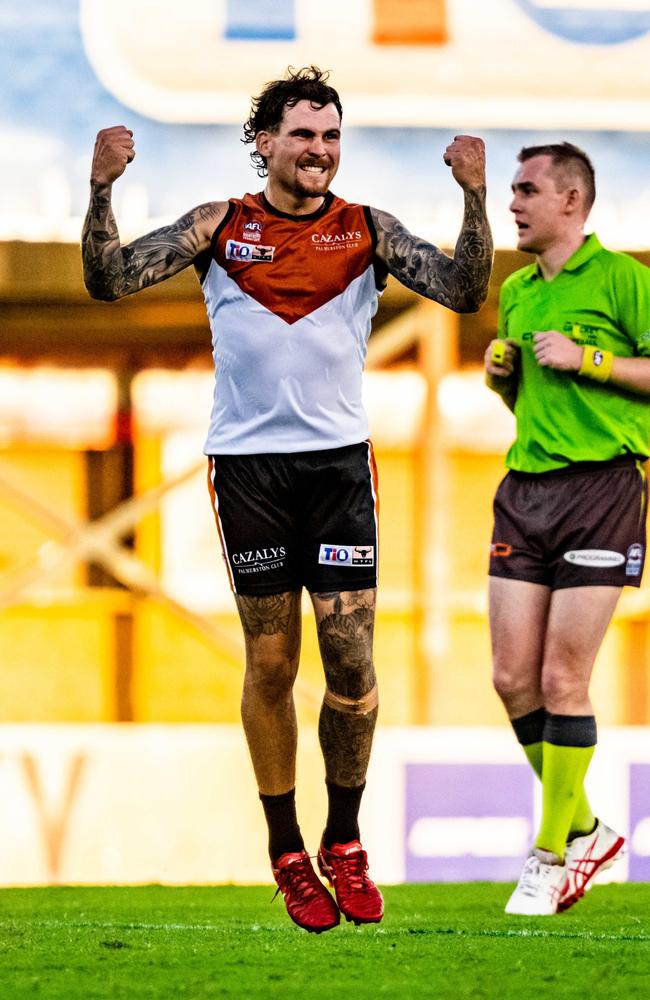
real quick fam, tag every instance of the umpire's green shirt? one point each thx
(600, 298)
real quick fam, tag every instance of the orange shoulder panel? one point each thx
(293, 265)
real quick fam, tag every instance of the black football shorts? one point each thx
(578, 527)
(288, 521)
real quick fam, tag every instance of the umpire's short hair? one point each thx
(306, 84)
(571, 163)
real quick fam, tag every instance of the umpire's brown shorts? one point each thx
(583, 526)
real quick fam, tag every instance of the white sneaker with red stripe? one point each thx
(585, 857)
(540, 888)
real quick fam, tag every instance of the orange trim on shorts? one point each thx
(374, 482)
(215, 508)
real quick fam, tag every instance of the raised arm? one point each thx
(112, 270)
(459, 282)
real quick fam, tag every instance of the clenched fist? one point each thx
(466, 157)
(114, 149)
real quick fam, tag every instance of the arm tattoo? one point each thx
(111, 270)
(265, 615)
(459, 282)
(345, 638)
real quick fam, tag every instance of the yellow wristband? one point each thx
(596, 364)
(498, 353)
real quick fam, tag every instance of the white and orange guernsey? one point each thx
(290, 301)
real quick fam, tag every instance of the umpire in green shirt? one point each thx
(572, 360)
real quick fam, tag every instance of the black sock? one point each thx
(571, 730)
(342, 817)
(530, 728)
(284, 833)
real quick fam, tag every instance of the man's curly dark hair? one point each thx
(306, 84)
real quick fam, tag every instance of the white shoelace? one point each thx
(529, 880)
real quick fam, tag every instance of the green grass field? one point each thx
(447, 942)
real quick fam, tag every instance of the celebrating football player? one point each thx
(291, 278)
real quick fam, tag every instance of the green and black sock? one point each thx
(568, 746)
(529, 730)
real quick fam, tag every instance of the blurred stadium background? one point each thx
(120, 655)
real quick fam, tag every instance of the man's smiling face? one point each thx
(303, 154)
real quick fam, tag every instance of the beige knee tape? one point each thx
(352, 706)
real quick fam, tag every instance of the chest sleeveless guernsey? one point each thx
(290, 301)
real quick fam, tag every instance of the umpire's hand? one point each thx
(554, 350)
(501, 358)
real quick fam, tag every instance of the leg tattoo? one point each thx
(272, 632)
(265, 615)
(345, 631)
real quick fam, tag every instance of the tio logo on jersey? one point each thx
(249, 252)
(347, 555)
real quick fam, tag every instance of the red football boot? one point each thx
(308, 902)
(346, 867)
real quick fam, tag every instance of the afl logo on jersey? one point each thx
(253, 231)
(253, 253)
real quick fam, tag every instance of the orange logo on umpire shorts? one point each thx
(500, 549)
